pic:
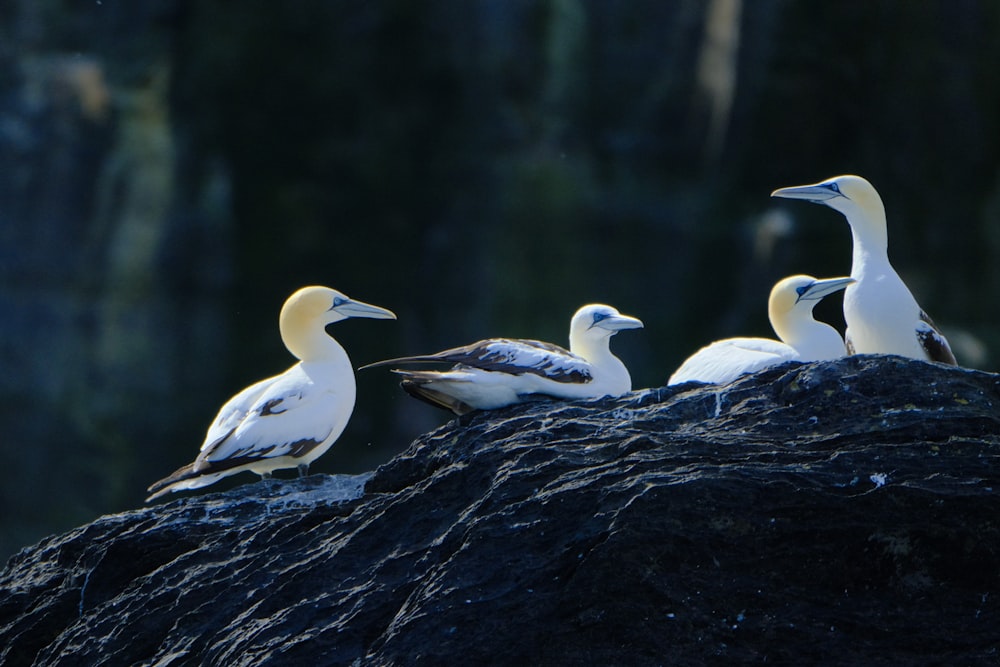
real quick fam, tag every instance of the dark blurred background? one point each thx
(170, 171)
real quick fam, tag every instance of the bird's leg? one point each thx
(303, 469)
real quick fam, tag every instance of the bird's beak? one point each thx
(822, 288)
(352, 308)
(818, 192)
(620, 322)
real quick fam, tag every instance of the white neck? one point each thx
(589, 348)
(608, 367)
(870, 239)
(812, 340)
(820, 342)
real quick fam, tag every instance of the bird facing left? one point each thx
(291, 419)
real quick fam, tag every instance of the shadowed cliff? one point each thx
(841, 512)
(173, 170)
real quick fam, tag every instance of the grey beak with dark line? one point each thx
(822, 288)
(817, 193)
(619, 323)
(352, 308)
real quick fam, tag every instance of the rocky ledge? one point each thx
(836, 513)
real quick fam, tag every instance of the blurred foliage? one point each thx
(174, 169)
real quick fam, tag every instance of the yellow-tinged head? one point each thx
(316, 303)
(793, 298)
(843, 193)
(310, 309)
(853, 196)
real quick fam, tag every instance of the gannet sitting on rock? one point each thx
(790, 310)
(289, 420)
(498, 372)
(881, 314)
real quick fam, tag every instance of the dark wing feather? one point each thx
(204, 466)
(934, 342)
(418, 389)
(521, 356)
(513, 356)
(185, 472)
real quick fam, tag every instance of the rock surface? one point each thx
(835, 513)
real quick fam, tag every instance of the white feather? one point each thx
(291, 419)
(790, 307)
(881, 314)
(497, 372)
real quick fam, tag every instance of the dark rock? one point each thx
(834, 513)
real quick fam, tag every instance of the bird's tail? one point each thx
(428, 358)
(418, 385)
(176, 481)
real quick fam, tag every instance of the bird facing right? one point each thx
(790, 310)
(290, 419)
(497, 372)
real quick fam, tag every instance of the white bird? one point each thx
(498, 372)
(881, 314)
(790, 310)
(291, 419)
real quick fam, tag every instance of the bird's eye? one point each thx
(834, 187)
(339, 301)
(802, 289)
(600, 316)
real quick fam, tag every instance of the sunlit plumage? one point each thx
(498, 372)
(881, 314)
(289, 420)
(789, 309)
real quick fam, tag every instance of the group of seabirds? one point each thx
(289, 420)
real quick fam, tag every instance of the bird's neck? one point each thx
(581, 346)
(870, 242)
(308, 341)
(809, 338)
(785, 326)
(597, 352)
(609, 370)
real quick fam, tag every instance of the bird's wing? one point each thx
(761, 348)
(291, 416)
(725, 360)
(520, 356)
(234, 411)
(933, 341)
(511, 356)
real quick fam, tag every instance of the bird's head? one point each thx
(848, 194)
(800, 293)
(307, 312)
(316, 303)
(597, 321)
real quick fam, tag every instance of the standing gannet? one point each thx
(881, 314)
(497, 372)
(790, 310)
(289, 420)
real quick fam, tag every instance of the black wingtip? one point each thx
(438, 399)
(934, 342)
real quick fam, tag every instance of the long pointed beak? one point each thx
(620, 322)
(352, 308)
(822, 288)
(818, 192)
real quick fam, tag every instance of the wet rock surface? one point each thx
(837, 513)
